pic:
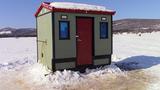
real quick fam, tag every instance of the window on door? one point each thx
(103, 30)
(64, 30)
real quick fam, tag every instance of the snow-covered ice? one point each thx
(133, 52)
(16, 49)
(136, 63)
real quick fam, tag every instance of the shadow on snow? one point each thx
(138, 62)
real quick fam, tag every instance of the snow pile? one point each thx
(39, 75)
(65, 78)
(68, 77)
(70, 5)
(112, 69)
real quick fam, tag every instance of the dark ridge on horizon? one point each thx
(137, 19)
(17, 32)
(133, 25)
(129, 25)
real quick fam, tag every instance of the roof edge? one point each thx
(53, 9)
(43, 5)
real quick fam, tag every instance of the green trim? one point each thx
(37, 37)
(111, 34)
(65, 60)
(102, 56)
(53, 42)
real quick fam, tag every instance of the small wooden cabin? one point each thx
(73, 35)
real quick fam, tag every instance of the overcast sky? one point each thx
(20, 13)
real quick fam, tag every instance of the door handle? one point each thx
(79, 40)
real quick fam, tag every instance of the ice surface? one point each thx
(17, 49)
(136, 63)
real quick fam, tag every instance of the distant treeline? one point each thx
(134, 31)
(7, 36)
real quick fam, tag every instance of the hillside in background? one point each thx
(20, 32)
(136, 25)
(119, 26)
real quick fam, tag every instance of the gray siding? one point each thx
(65, 65)
(67, 48)
(101, 61)
(102, 46)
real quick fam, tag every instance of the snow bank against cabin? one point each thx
(70, 5)
(58, 80)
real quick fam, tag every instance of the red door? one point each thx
(84, 41)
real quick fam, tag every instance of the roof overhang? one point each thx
(53, 9)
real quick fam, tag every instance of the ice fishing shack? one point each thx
(73, 35)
